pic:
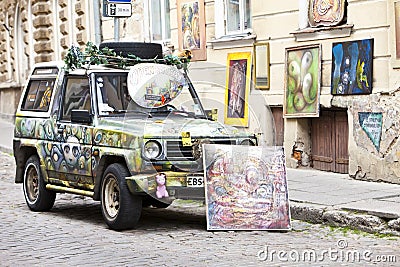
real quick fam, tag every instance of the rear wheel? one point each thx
(37, 197)
(121, 210)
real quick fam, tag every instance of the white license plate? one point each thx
(194, 181)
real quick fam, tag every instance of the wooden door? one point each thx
(341, 142)
(329, 142)
(277, 113)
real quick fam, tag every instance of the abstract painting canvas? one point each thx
(326, 12)
(352, 67)
(246, 188)
(302, 81)
(191, 28)
(238, 76)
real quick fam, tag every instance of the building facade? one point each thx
(337, 112)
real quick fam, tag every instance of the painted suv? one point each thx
(127, 137)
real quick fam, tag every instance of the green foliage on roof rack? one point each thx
(92, 55)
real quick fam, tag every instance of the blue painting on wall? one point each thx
(352, 67)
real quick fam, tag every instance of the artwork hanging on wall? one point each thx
(352, 67)
(326, 12)
(192, 28)
(238, 76)
(261, 71)
(246, 189)
(371, 123)
(302, 81)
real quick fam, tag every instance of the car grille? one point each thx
(177, 152)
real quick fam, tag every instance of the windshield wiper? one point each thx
(175, 112)
(124, 111)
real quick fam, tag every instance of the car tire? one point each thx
(142, 50)
(121, 210)
(37, 197)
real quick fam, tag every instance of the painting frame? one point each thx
(237, 89)
(352, 67)
(191, 15)
(261, 63)
(298, 101)
(246, 189)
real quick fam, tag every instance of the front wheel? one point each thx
(121, 210)
(37, 197)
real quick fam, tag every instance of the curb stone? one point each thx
(341, 218)
(6, 150)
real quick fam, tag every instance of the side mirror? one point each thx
(81, 116)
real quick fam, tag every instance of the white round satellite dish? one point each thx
(154, 85)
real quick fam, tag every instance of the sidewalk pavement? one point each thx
(6, 136)
(322, 197)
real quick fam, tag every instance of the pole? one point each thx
(116, 29)
(97, 22)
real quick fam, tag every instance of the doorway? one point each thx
(329, 141)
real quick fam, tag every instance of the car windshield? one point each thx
(144, 92)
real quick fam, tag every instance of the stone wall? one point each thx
(43, 27)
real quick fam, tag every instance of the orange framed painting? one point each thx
(192, 28)
(237, 87)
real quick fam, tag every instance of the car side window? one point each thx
(76, 96)
(38, 95)
(112, 93)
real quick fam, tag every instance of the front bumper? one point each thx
(179, 185)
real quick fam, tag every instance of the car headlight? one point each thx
(247, 142)
(152, 149)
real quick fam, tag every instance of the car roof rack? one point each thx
(93, 55)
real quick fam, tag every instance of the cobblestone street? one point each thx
(73, 234)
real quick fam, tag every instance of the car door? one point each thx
(74, 139)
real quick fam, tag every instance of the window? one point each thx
(72, 22)
(159, 17)
(112, 93)
(38, 95)
(236, 19)
(77, 96)
(237, 15)
(56, 31)
(21, 59)
(31, 41)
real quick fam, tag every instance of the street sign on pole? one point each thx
(117, 8)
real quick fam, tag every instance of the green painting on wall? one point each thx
(302, 81)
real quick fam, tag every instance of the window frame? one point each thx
(165, 33)
(99, 95)
(221, 22)
(62, 116)
(28, 90)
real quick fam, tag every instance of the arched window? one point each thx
(20, 59)
(32, 53)
(72, 24)
(8, 47)
(56, 31)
